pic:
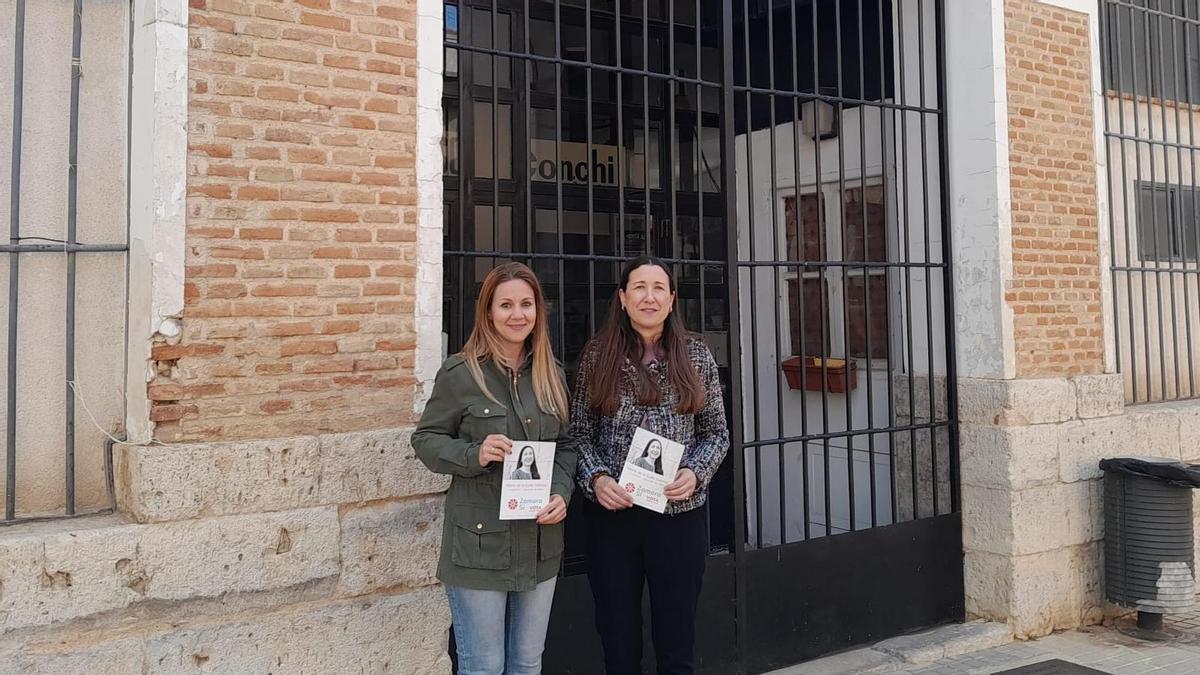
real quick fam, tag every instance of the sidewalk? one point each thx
(981, 648)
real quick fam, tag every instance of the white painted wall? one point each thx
(978, 176)
(158, 184)
(430, 129)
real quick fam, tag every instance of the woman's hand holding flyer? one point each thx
(525, 489)
(650, 466)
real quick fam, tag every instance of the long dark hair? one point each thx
(533, 471)
(617, 341)
(657, 460)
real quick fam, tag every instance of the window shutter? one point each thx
(1153, 222)
(1188, 224)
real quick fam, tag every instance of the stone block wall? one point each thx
(1031, 485)
(301, 554)
(1032, 494)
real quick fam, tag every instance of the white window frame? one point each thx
(831, 193)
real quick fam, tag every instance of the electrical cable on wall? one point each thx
(77, 390)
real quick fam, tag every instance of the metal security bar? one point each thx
(786, 157)
(1151, 67)
(842, 267)
(27, 499)
(579, 137)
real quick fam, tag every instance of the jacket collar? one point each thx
(526, 365)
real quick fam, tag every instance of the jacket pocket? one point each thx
(552, 427)
(483, 419)
(480, 544)
(550, 541)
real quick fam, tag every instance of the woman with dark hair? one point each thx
(505, 386)
(651, 458)
(526, 468)
(645, 369)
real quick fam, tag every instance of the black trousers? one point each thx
(632, 547)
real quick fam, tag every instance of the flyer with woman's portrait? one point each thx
(525, 489)
(649, 467)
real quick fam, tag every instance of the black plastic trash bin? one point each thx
(1149, 552)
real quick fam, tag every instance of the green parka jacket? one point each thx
(479, 550)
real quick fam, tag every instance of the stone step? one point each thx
(900, 654)
(375, 634)
(60, 571)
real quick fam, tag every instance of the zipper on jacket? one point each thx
(516, 393)
(520, 407)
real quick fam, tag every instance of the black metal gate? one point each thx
(787, 158)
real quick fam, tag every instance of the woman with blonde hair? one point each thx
(505, 386)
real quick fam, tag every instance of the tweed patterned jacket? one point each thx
(603, 440)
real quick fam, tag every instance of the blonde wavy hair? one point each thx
(485, 342)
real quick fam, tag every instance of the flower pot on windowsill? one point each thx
(812, 373)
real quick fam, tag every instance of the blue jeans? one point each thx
(500, 633)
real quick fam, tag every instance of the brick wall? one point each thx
(301, 238)
(1055, 291)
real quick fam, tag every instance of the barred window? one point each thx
(1168, 222)
(1154, 48)
(831, 313)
